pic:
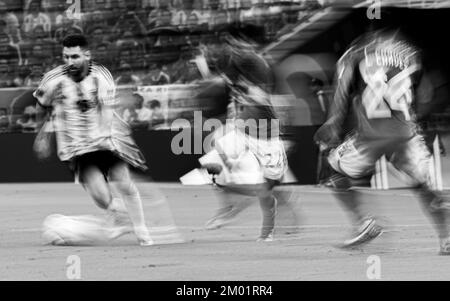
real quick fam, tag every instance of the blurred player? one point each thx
(253, 145)
(372, 116)
(90, 137)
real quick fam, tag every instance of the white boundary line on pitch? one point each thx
(251, 227)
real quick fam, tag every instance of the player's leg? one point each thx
(287, 199)
(90, 172)
(348, 164)
(268, 205)
(92, 169)
(288, 203)
(93, 181)
(118, 211)
(92, 177)
(226, 211)
(349, 199)
(414, 159)
(119, 174)
(324, 170)
(161, 223)
(229, 191)
(272, 157)
(352, 162)
(232, 201)
(235, 199)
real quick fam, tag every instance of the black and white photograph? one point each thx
(226, 146)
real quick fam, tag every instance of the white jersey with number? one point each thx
(78, 114)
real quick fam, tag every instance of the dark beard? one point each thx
(76, 74)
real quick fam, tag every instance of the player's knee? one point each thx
(126, 187)
(264, 192)
(119, 172)
(96, 185)
(101, 196)
(268, 203)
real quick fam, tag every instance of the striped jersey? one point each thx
(78, 116)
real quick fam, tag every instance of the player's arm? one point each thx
(329, 134)
(42, 143)
(44, 95)
(107, 119)
(107, 98)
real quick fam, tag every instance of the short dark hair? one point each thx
(75, 40)
(138, 98)
(155, 104)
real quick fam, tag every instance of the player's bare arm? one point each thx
(42, 143)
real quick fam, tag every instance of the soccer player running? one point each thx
(372, 116)
(255, 128)
(91, 138)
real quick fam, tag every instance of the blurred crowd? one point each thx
(142, 42)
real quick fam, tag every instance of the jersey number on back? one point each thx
(381, 97)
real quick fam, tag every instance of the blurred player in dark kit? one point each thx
(371, 116)
(249, 144)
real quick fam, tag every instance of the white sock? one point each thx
(136, 213)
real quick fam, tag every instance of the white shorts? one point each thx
(271, 156)
(255, 159)
(356, 158)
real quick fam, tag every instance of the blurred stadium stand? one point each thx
(153, 42)
(139, 32)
